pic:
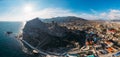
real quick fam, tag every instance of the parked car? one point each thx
(72, 55)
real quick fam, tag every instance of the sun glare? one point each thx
(28, 8)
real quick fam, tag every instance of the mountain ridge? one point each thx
(63, 19)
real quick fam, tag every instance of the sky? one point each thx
(22, 10)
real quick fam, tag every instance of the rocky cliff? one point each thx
(50, 35)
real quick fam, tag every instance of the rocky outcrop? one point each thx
(50, 35)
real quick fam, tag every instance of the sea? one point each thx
(9, 46)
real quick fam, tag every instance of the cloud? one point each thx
(55, 12)
(112, 14)
(93, 11)
(16, 15)
(45, 13)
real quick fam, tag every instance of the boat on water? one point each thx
(116, 54)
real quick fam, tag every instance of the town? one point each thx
(102, 39)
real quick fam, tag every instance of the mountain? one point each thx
(116, 20)
(47, 36)
(64, 19)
